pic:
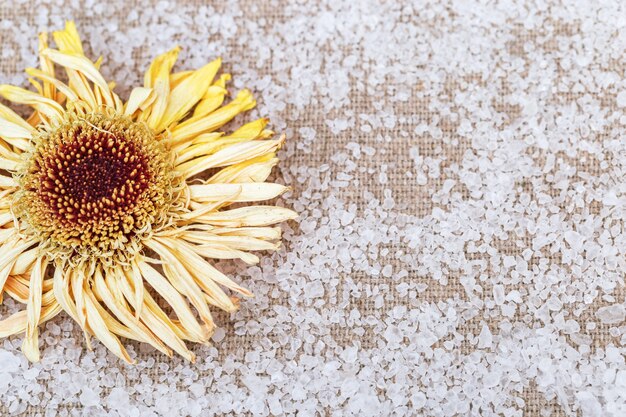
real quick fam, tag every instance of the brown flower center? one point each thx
(94, 183)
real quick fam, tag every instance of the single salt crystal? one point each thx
(574, 239)
(589, 404)
(307, 133)
(498, 294)
(492, 379)
(349, 387)
(313, 289)
(509, 261)
(485, 338)
(349, 354)
(387, 271)
(614, 355)
(118, 399)
(89, 398)
(275, 406)
(447, 186)
(219, 334)
(418, 400)
(347, 217)
(9, 363)
(621, 98)
(614, 314)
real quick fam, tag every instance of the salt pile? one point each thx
(460, 170)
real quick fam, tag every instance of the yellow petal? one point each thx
(30, 346)
(50, 81)
(233, 154)
(158, 78)
(203, 271)
(242, 192)
(47, 68)
(177, 77)
(8, 114)
(245, 243)
(174, 299)
(68, 39)
(206, 123)
(7, 182)
(253, 170)
(265, 233)
(176, 270)
(213, 98)
(186, 94)
(10, 251)
(249, 216)
(14, 134)
(125, 316)
(206, 208)
(84, 66)
(80, 85)
(156, 320)
(77, 286)
(211, 101)
(208, 143)
(16, 323)
(24, 261)
(140, 98)
(61, 290)
(50, 108)
(101, 330)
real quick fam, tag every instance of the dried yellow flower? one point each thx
(89, 185)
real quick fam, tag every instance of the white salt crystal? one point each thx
(498, 294)
(418, 400)
(509, 261)
(9, 363)
(118, 399)
(387, 271)
(485, 337)
(275, 406)
(313, 289)
(614, 314)
(574, 239)
(589, 404)
(88, 398)
(621, 98)
(219, 334)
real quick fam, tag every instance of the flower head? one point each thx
(101, 206)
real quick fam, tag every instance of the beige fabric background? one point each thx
(415, 200)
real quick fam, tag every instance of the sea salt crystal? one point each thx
(621, 99)
(485, 338)
(118, 399)
(313, 289)
(498, 294)
(589, 404)
(219, 335)
(9, 363)
(574, 239)
(614, 314)
(88, 397)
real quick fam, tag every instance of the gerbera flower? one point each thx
(101, 213)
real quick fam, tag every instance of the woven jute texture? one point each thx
(449, 148)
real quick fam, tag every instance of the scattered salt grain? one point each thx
(485, 338)
(614, 314)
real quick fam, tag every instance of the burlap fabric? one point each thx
(416, 200)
